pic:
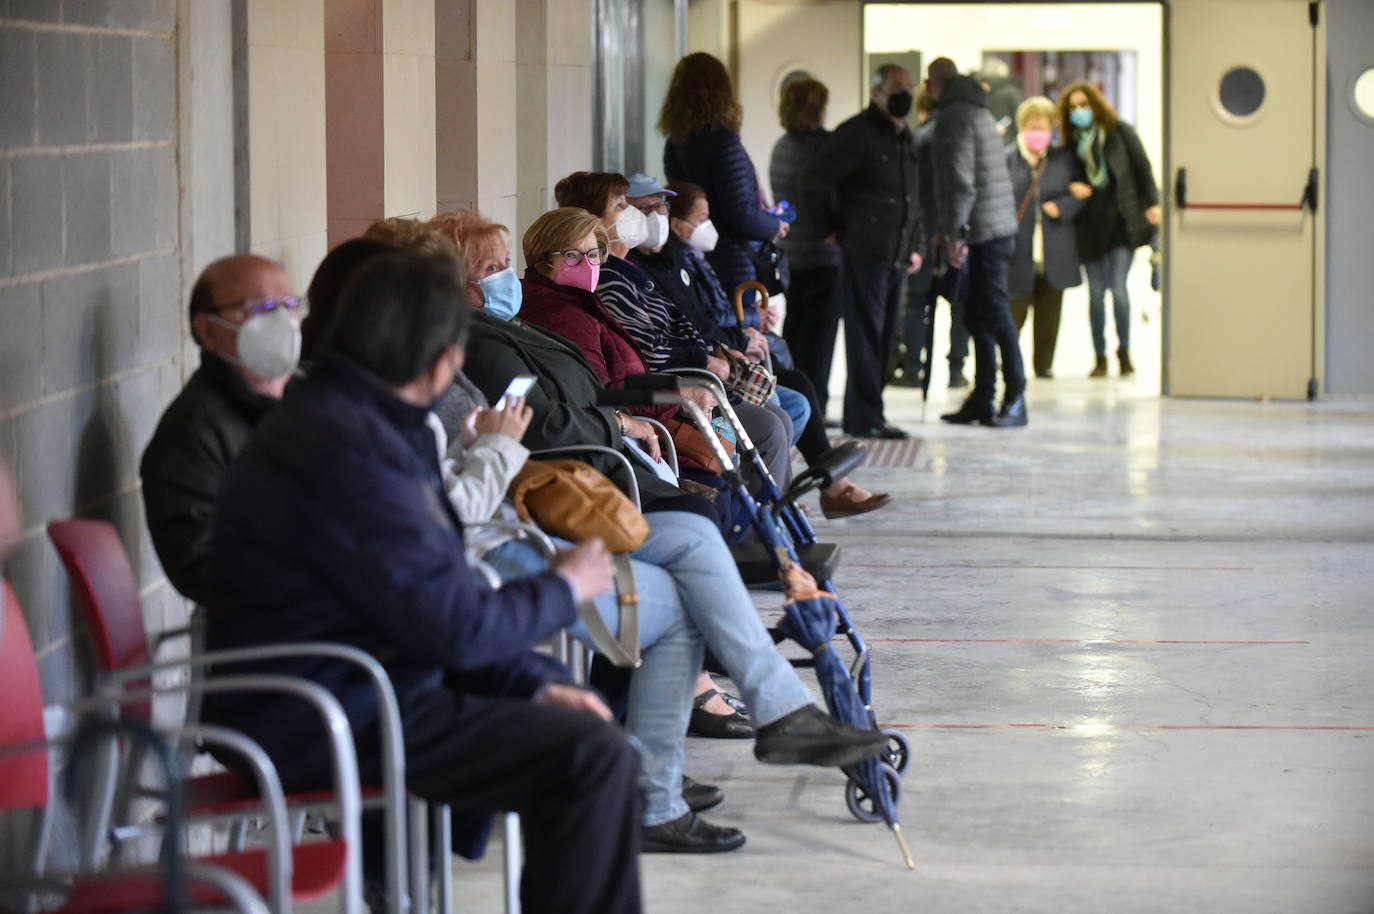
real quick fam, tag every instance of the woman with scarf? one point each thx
(1120, 215)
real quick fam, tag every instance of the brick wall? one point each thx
(91, 303)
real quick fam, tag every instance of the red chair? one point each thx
(240, 879)
(105, 589)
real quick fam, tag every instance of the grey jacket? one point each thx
(972, 186)
(805, 244)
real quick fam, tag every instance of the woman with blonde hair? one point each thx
(1120, 215)
(1048, 187)
(701, 119)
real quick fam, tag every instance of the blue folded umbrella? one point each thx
(809, 620)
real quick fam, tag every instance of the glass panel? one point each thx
(1362, 94)
(1241, 92)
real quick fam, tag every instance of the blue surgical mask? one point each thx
(1082, 118)
(501, 294)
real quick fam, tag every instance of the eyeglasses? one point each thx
(297, 305)
(573, 257)
(647, 208)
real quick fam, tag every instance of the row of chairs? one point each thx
(133, 670)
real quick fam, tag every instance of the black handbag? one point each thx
(770, 266)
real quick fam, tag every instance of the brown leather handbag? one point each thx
(692, 445)
(570, 499)
(574, 500)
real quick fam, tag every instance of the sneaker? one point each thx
(809, 736)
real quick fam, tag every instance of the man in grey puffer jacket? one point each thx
(976, 222)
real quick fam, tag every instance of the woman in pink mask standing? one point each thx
(1049, 188)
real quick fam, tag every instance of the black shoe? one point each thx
(1012, 414)
(734, 725)
(1044, 373)
(809, 736)
(833, 423)
(957, 379)
(884, 430)
(698, 796)
(975, 409)
(690, 834)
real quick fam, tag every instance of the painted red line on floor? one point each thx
(1122, 727)
(1013, 566)
(1064, 641)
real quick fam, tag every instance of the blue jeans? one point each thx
(1109, 272)
(796, 407)
(689, 595)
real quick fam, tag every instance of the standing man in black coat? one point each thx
(867, 167)
(976, 223)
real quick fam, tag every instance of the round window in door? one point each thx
(1240, 95)
(1362, 95)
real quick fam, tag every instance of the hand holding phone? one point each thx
(518, 387)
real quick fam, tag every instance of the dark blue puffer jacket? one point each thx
(715, 161)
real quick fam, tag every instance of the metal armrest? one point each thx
(631, 487)
(347, 787)
(518, 530)
(389, 717)
(666, 441)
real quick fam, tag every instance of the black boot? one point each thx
(1012, 414)
(976, 408)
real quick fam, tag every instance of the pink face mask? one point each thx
(584, 275)
(1036, 140)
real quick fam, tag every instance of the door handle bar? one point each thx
(1308, 201)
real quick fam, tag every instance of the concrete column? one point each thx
(475, 99)
(379, 65)
(286, 133)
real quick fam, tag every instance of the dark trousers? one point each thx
(988, 315)
(572, 778)
(1047, 302)
(813, 441)
(813, 319)
(958, 338)
(922, 297)
(873, 297)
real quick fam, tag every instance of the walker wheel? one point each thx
(862, 804)
(898, 751)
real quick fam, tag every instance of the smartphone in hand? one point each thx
(518, 387)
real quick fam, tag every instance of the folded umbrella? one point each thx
(809, 620)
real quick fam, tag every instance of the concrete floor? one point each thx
(1131, 646)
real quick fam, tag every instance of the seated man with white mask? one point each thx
(247, 324)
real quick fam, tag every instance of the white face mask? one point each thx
(657, 228)
(268, 343)
(631, 228)
(704, 237)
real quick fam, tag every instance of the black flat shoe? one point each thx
(718, 726)
(699, 797)
(690, 834)
(809, 736)
(885, 430)
(1012, 415)
(975, 409)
